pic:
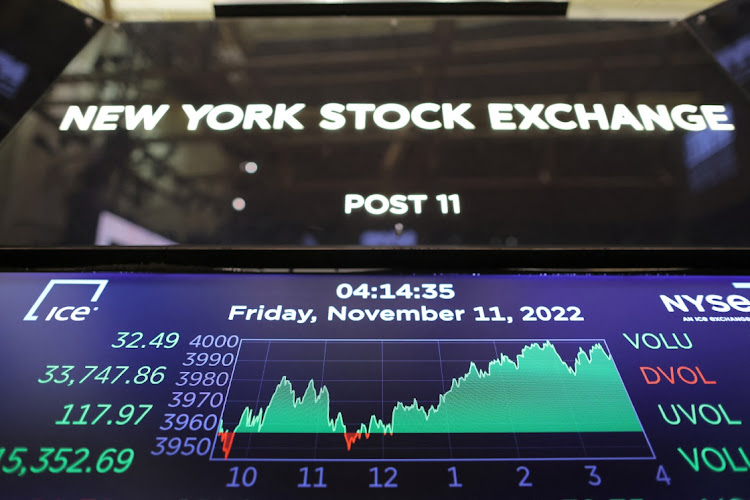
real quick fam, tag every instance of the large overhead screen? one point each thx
(398, 131)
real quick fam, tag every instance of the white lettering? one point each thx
(82, 120)
(257, 113)
(379, 116)
(418, 118)
(332, 117)
(107, 117)
(717, 303)
(282, 116)
(598, 114)
(739, 303)
(501, 116)
(398, 204)
(236, 311)
(360, 113)
(677, 302)
(690, 122)
(550, 114)
(417, 199)
(660, 116)
(381, 200)
(353, 202)
(531, 116)
(146, 115)
(454, 116)
(622, 116)
(715, 116)
(195, 116)
(212, 120)
(697, 301)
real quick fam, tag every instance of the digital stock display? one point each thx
(222, 386)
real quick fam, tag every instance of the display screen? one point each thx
(481, 131)
(209, 386)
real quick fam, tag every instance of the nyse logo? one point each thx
(66, 312)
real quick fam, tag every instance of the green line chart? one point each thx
(457, 399)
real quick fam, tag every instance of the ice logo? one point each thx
(68, 312)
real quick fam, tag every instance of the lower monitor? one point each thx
(337, 385)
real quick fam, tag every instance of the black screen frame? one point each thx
(679, 261)
(390, 8)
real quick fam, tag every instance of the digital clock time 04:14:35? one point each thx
(406, 291)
